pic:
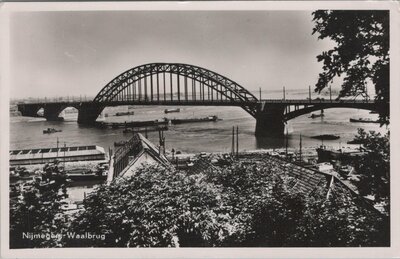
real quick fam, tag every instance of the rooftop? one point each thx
(40, 153)
(136, 147)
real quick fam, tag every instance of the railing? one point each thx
(315, 101)
(233, 102)
(72, 99)
(121, 155)
(122, 151)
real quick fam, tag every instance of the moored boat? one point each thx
(356, 141)
(125, 113)
(83, 175)
(346, 154)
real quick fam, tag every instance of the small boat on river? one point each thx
(316, 115)
(51, 130)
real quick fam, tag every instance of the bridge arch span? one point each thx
(308, 109)
(175, 83)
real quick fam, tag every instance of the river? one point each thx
(26, 132)
(190, 138)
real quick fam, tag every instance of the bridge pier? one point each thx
(270, 121)
(29, 110)
(88, 113)
(51, 112)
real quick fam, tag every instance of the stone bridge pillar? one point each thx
(51, 111)
(88, 113)
(29, 110)
(269, 121)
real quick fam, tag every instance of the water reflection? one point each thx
(267, 142)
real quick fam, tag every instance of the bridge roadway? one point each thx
(77, 103)
(271, 114)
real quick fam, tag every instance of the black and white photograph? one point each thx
(199, 127)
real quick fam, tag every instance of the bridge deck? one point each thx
(207, 102)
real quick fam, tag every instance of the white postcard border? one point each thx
(394, 251)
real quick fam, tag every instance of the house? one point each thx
(137, 152)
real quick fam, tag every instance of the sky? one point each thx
(78, 52)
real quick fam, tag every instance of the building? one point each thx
(48, 155)
(343, 155)
(137, 152)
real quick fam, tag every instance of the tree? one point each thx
(340, 220)
(268, 212)
(374, 168)
(242, 203)
(37, 210)
(157, 207)
(361, 52)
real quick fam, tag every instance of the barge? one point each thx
(326, 137)
(145, 129)
(172, 110)
(132, 124)
(364, 120)
(125, 113)
(191, 120)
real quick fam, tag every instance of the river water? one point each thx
(26, 132)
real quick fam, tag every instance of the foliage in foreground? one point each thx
(374, 168)
(241, 205)
(38, 211)
(361, 52)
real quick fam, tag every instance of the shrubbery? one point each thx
(38, 210)
(240, 205)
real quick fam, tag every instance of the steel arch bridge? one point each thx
(183, 84)
(176, 83)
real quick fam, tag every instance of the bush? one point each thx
(244, 204)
